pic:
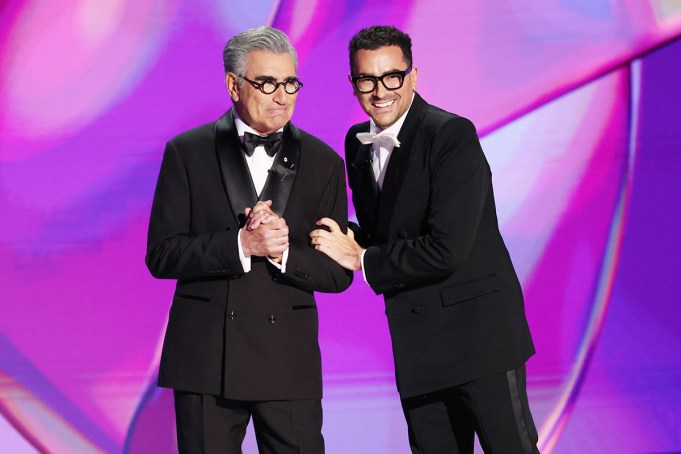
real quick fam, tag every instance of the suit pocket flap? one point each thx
(191, 297)
(467, 290)
(301, 307)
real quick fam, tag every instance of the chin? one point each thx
(384, 123)
(279, 122)
(278, 126)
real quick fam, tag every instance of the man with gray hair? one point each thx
(234, 204)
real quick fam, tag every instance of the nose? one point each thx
(279, 95)
(380, 91)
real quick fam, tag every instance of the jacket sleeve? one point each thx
(360, 235)
(173, 250)
(309, 269)
(460, 182)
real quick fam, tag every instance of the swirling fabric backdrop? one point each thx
(578, 104)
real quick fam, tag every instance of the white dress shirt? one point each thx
(259, 165)
(381, 157)
(382, 150)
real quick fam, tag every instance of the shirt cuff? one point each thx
(282, 265)
(361, 259)
(245, 261)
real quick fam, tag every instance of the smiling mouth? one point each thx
(383, 104)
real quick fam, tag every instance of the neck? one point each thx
(240, 116)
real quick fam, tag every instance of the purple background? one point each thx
(578, 106)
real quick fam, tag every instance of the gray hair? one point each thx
(263, 38)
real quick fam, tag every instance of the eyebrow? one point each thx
(387, 72)
(268, 78)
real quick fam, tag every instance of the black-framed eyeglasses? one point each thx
(391, 81)
(269, 86)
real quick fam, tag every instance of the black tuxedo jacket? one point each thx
(453, 301)
(247, 336)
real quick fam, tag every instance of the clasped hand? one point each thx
(265, 233)
(340, 247)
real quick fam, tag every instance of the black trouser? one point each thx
(494, 407)
(212, 425)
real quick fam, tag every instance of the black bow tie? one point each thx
(271, 143)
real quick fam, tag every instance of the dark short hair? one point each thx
(378, 36)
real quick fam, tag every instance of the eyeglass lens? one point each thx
(389, 81)
(290, 86)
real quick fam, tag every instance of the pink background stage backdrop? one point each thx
(578, 103)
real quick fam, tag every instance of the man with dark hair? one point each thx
(374, 38)
(234, 204)
(430, 243)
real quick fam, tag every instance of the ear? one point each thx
(354, 89)
(414, 75)
(232, 82)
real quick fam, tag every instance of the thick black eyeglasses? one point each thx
(269, 86)
(391, 81)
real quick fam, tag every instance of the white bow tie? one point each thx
(380, 139)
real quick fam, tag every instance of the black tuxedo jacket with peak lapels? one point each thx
(454, 304)
(246, 336)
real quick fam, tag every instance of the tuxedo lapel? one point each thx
(283, 173)
(399, 162)
(233, 167)
(366, 193)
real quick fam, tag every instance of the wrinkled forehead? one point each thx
(268, 64)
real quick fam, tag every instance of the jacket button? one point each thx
(402, 234)
(232, 315)
(416, 310)
(273, 319)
